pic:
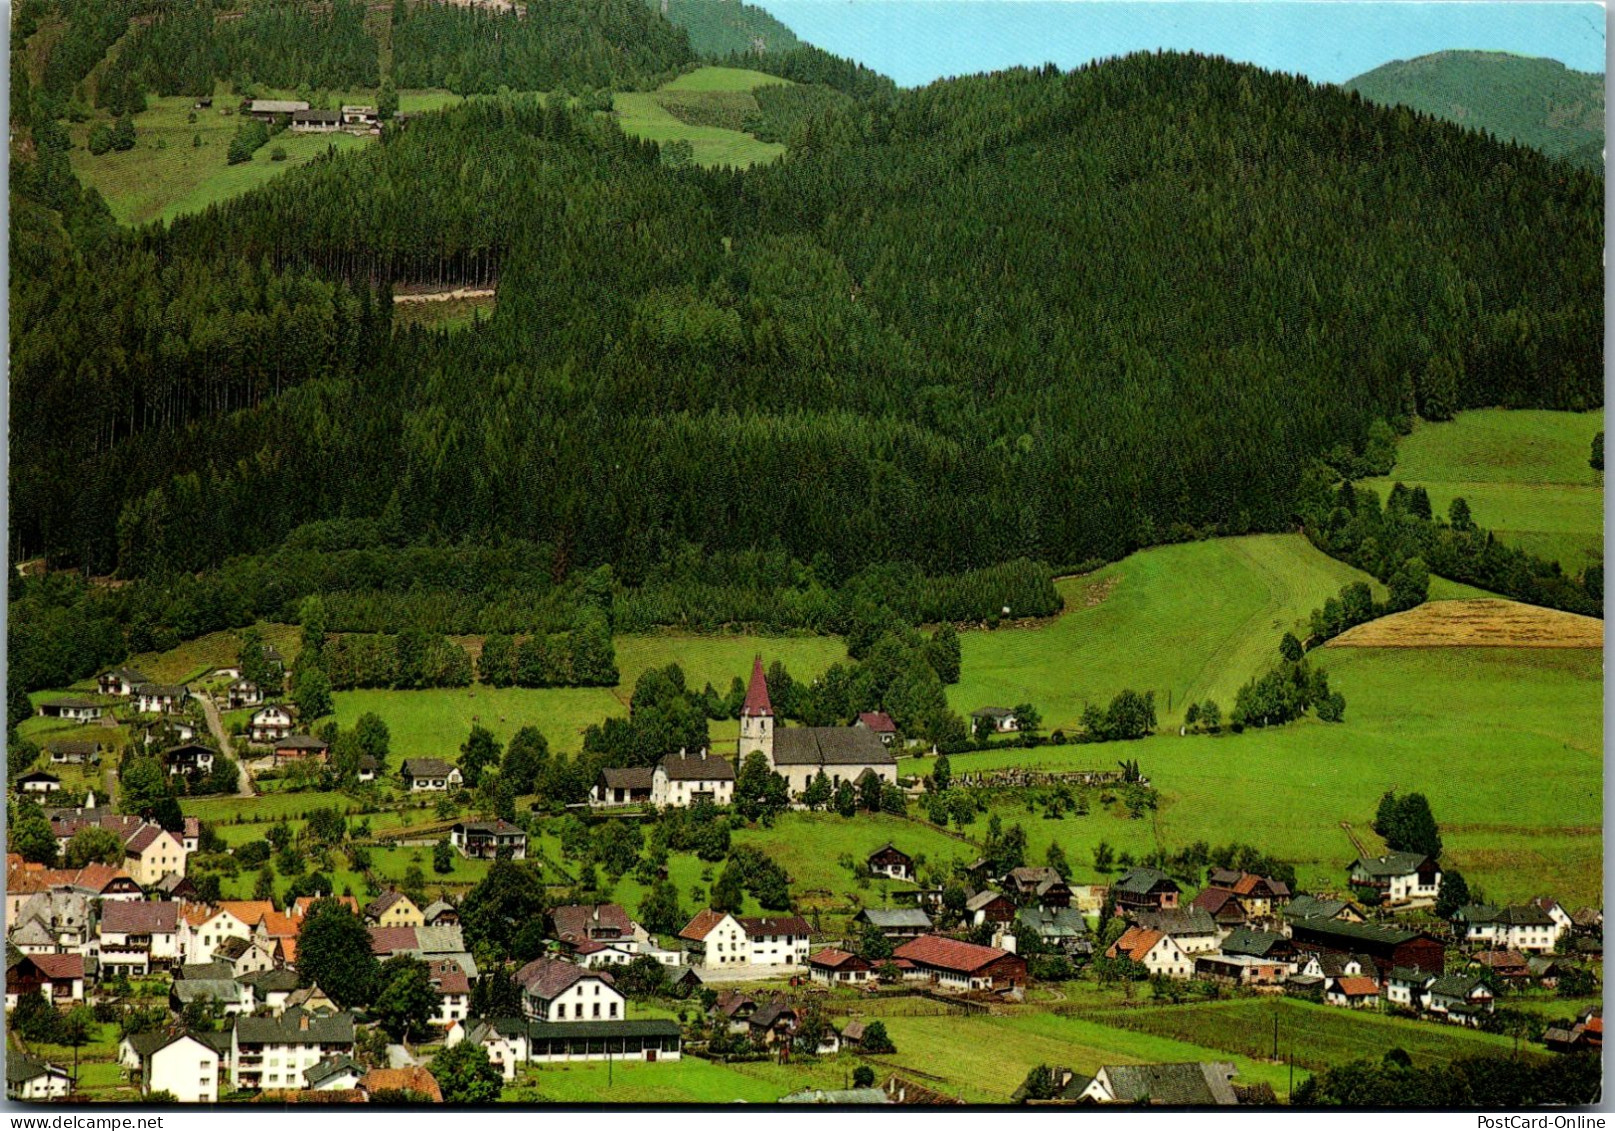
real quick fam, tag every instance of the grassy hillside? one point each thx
(1505, 742)
(1536, 102)
(1524, 474)
(1190, 622)
(706, 108)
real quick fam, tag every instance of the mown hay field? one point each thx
(1476, 624)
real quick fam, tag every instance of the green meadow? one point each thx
(684, 1081)
(1506, 743)
(1189, 622)
(645, 115)
(1524, 473)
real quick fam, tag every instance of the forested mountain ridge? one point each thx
(1536, 102)
(1166, 285)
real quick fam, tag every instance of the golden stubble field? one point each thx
(1476, 624)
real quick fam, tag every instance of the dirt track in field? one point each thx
(1476, 624)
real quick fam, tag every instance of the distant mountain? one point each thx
(728, 27)
(1537, 102)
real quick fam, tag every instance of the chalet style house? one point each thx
(1145, 889)
(429, 775)
(79, 710)
(1397, 877)
(121, 682)
(891, 862)
(486, 840)
(270, 723)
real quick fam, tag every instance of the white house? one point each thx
(244, 693)
(1002, 718)
(1459, 998)
(334, 1073)
(453, 989)
(269, 723)
(160, 699)
(1157, 951)
(1398, 876)
(30, 1079)
(1527, 928)
(152, 853)
(276, 1052)
(426, 775)
(137, 936)
(722, 939)
(553, 990)
(40, 781)
(203, 930)
(121, 681)
(684, 779)
(1405, 986)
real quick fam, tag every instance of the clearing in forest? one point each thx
(1524, 473)
(707, 108)
(1476, 624)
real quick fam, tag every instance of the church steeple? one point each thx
(757, 716)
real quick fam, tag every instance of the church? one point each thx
(798, 753)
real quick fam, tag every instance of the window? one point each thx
(597, 1009)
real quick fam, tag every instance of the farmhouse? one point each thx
(270, 723)
(135, 937)
(1154, 950)
(989, 907)
(1459, 998)
(30, 1079)
(891, 862)
(1261, 944)
(799, 754)
(879, 722)
(1145, 889)
(429, 775)
(160, 699)
(839, 967)
(244, 693)
(1397, 877)
(293, 747)
(1173, 1085)
(1526, 928)
(723, 940)
(896, 922)
(316, 121)
(1259, 895)
(1351, 991)
(1509, 965)
(1064, 928)
(1043, 886)
(121, 681)
(360, 116)
(393, 909)
(1311, 907)
(79, 710)
(1387, 947)
(488, 840)
(339, 1072)
(553, 990)
(72, 751)
(631, 786)
(1002, 719)
(1241, 969)
(956, 965)
(1223, 906)
(601, 923)
(1191, 928)
(682, 780)
(188, 758)
(40, 781)
(60, 977)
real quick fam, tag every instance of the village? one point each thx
(229, 1012)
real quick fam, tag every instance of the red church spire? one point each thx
(757, 703)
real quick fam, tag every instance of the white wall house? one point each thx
(184, 1066)
(681, 780)
(1398, 876)
(269, 723)
(1159, 953)
(1527, 928)
(553, 990)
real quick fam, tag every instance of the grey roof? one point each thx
(562, 1030)
(329, 1067)
(440, 939)
(317, 116)
(697, 767)
(1256, 943)
(277, 981)
(831, 746)
(287, 1029)
(629, 777)
(21, 1068)
(870, 1096)
(982, 899)
(991, 713)
(1390, 864)
(276, 106)
(1361, 932)
(1311, 907)
(207, 970)
(437, 907)
(1178, 921)
(33, 933)
(887, 918)
(1525, 915)
(220, 991)
(425, 768)
(1411, 974)
(1175, 1085)
(1454, 985)
(1142, 881)
(1054, 922)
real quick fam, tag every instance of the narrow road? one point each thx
(216, 725)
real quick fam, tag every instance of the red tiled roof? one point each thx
(97, 877)
(832, 959)
(1357, 987)
(949, 954)
(60, 967)
(878, 721)
(301, 905)
(757, 694)
(249, 911)
(448, 976)
(143, 839)
(1214, 900)
(697, 929)
(1135, 943)
(385, 940)
(574, 922)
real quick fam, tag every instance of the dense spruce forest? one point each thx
(1166, 285)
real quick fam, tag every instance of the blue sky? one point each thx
(917, 41)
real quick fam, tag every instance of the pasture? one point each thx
(1524, 473)
(684, 1081)
(647, 115)
(1505, 742)
(1190, 622)
(195, 658)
